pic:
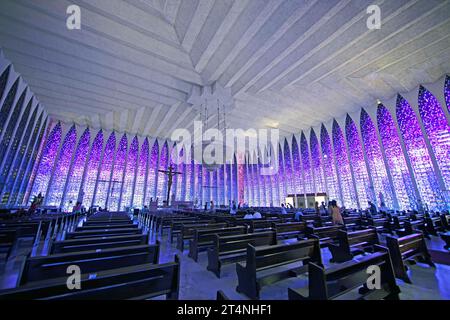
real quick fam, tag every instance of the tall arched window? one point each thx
(438, 131)
(162, 177)
(316, 163)
(328, 166)
(288, 168)
(306, 164)
(447, 91)
(262, 183)
(395, 159)
(362, 182)
(343, 166)
(106, 167)
(61, 171)
(91, 172)
(117, 175)
(256, 186)
(281, 176)
(47, 162)
(153, 174)
(419, 156)
(375, 161)
(298, 187)
(76, 171)
(141, 177)
(130, 173)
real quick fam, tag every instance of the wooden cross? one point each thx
(170, 174)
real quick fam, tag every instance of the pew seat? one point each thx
(351, 244)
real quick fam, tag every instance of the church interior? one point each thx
(224, 150)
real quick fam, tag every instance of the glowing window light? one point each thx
(16, 137)
(328, 166)
(395, 159)
(152, 177)
(299, 187)
(104, 177)
(362, 182)
(447, 92)
(288, 168)
(240, 182)
(246, 190)
(221, 186)
(19, 186)
(340, 153)
(215, 196)
(7, 105)
(8, 134)
(316, 163)
(92, 170)
(267, 179)
(47, 162)
(262, 187)
(228, 177)
(418, 154)
(256, 186)
(190, 178)
(206, 186)
(236, 177)
(130, 173)
(199, 183)
(15, 169)
(438, 131)
(306, 164)
(76, 172)
(61, 171)
(281, 176)
(139, 189)
(116, 184)
(162, 177)
(375, 161)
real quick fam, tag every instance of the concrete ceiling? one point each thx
(289, 64)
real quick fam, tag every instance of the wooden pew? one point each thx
(446, 237)
(187, 232)
(445, 221)
(137, 282)
(103, 233)
(176, 226)
(55, 265)
(338, 282)
(289, 229)
(352, 223)
(258, 225)
(380, 224)
(353, 243)
(266, 258)
(95, 243)
(326, 235)
(7, 240)
(406, 248)
(106, 226)
(434, 225)
(203, 238)
(230, 249)
(413, 226)
(90, 222)
(313, 219)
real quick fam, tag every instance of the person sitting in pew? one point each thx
(336, 213)
(283, 209)
(257, 215)
(298, 214)
(233, 209)
(248, 215)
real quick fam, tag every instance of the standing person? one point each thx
(233, 208)
(323, 209)
(212, 206)
(336, 213)
(283, 209)
(316, 207)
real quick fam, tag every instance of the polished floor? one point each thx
(198, 283)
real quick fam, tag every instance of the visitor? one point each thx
(212, 206)
(283, 209)
(233, 209)
(257, 215)
(77, 208)
(372, 208)
(323, 209)
(298, 214)
(336, 213)
(316, 208)
(248, 215)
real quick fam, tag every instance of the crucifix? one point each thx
(170, 174)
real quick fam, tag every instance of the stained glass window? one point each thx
(16, 137)
(47, 162)
(15, 169)
(375, 161)
(116, 184)
(288, 168)
(162, 177)
(141, 177)
(153, 174)
(255, 176)
(7, 105)
(306, 164)
(395, 158)
(274, 176)
(447, 91)
(59, 177)
(328, 166)
(358, 164)
(316, 163)
(4, 81)
(91, 172)
(8, 134)
(262, 187)
(130, 173)
(438, 131)
(419, 156)
(76, 171)
(297, 168)
(281, 176)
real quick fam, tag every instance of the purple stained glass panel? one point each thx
(299, 186)
(152, 177)
(281, 176)
(306, 165)
(61, 171)
(104, 177)
(130, 173)
(141, 177)
(375, 161)
(447, 92)
(438, 131)
(76, 172)
(328, 166)
(47, 162)
(90, 175)
(288, 168)
(316, 163)
(162, 177)
(418, 154)
(116, 184)
(395, 159)
(358, 163)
